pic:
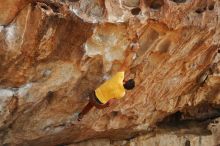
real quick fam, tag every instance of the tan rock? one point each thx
(54, 53)
(159, 139)
(10, 9)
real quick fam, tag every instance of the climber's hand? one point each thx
(80, 116)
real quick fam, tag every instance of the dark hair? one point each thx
(128, 85)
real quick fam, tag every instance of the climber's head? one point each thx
(130, 84)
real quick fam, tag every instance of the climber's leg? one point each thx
(85, 110)
(93, 101)
(88, 107)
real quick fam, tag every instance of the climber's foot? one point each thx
(80, 116)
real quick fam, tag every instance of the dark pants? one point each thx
(93, 101)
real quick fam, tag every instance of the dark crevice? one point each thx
(73, 0)
(200, 10)
(211, 7)
(192, 120)
(66, 144)
(33, 5)
(179, 1)
(49, 97)
(54, 6)
(187, 143)
(201, 7)
(185, 127)
(135, 11)
(157, 4)
(114, 113)
(44, 7)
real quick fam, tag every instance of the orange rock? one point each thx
(69, 48)
(10, 9)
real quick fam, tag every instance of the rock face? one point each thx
(54, 53)
(154, 140)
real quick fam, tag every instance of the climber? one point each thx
(106, 94)
(111, 90)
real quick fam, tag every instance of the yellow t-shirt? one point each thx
(112, 88)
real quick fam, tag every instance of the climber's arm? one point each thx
(129, 56)
(127, 62)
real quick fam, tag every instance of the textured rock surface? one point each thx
(53, 53)
(155, 140)
(184, 133)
